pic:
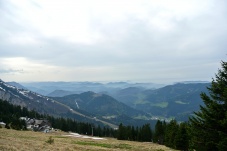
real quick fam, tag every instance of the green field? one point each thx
(160, 104)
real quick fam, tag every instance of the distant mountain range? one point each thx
(179, 100)
(110, 103)
(49, 88)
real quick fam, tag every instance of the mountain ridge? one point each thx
(98, 104)
(43, 104)
(176, 100)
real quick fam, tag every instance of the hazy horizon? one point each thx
(108, 82)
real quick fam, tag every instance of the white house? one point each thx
(2, 124)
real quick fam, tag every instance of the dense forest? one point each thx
(206, 130)
(172, 134)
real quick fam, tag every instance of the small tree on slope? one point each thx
(209, 125)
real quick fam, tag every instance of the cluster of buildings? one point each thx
(37, 125)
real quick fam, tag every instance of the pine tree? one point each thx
(182, 138)
(129, 133)
(159, 132)
(121, 132)
(146, 133)
(209, 125)
(170, 133)
(133, 133)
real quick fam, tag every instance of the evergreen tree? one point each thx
(146, 133)
(139, 135)
(182, 138)
(171, 132)
(121, 132)
(129, 133)
(133, 133)
(159, 132)
(98, 131)
(209, 125)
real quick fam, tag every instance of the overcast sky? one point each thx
(160, 41)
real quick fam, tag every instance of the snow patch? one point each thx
(2, 89)
(9, 86)
(77, 104)
(84, 136)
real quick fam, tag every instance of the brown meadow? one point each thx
(12, 140)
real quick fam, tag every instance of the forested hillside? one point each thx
(43, 104)
(10, 115)
(178, 101)
(98, 104)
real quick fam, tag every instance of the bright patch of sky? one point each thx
(160, 41)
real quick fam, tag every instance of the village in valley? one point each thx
(40, 125)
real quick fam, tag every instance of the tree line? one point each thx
(174, 135)
(143, 134)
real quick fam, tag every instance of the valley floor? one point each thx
(11, 140)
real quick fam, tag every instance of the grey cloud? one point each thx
(11, 71)
(132, 44)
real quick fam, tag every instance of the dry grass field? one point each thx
(12, 140)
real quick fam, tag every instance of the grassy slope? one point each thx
(27, 140)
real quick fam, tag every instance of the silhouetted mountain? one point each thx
(178, 100)
(61, 93)
(98, 104)
(106, 108)
(128, 95)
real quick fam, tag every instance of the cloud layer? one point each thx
(74, 40)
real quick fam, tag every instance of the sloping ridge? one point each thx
(98, 104)
(43, 104)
